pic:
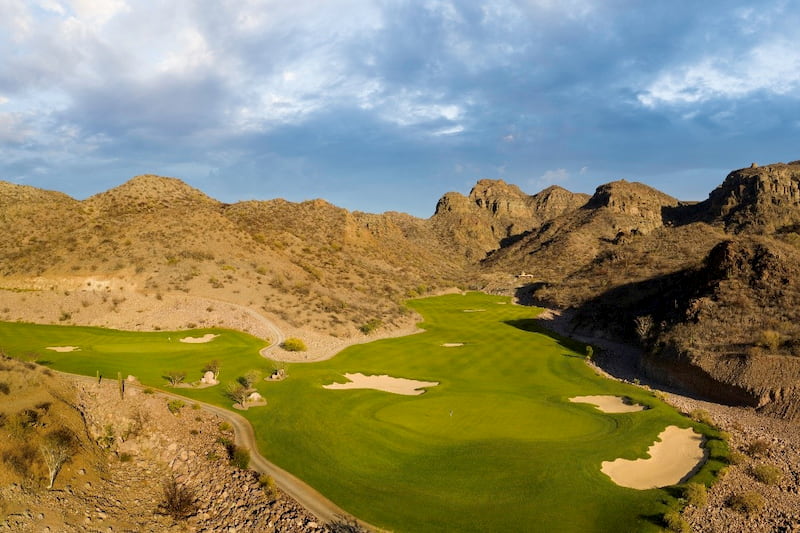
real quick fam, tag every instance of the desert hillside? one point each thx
(706, 289)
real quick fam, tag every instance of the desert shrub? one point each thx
(294, 344)
(737, 458)
(589, 352)
(196, 406)
(758, 448)
(108, 438)
(702, 416)
(175, 406)
(695, 494)
(673, 521)
(125, 457)
(370, 326)
(250, 377)
(148, 390)
(239, 457)
(267, 483)
(345, 525)
(767, 474)
(5, 388)
(225, 427)
(20, 459)
(746, 502)
(769, 339)
(178, 501)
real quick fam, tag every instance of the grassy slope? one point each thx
(514, 454)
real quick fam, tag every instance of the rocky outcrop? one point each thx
(496, 214)
(757, 199)
(639, 207)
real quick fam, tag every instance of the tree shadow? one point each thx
(532, 325)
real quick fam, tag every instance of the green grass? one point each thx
(514, 455)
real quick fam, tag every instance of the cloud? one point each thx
(551, 177)
(772, 67)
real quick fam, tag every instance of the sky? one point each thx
(386, 105)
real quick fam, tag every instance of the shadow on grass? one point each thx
(531, 325)
(43, 362)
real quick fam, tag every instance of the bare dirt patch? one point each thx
(678, 454)
(63, 349)
(208, 337)
(610, 404)
(406, 387)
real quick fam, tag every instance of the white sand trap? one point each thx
(407, 387)
(474, 310)
(208, 337)
(452, 344)
(63, 348)
(671, 461)
(609, 404)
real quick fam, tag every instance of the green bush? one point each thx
(267, 483)
(239, 457)
(767, 474)
(225, 427)
(370, 326)
(175, 406)
(746, 502)
(294, 344)
(702, 416)
(737, 458)
(673, 521)
(695, 494)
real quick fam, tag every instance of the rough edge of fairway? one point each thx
(676, 455)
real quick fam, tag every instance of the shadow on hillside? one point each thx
(531, 325)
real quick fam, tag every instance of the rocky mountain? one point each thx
(712, 284)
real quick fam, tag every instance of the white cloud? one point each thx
(3, 100)
(773, 67)
(97, 12)
(191, 53)
(551, 177)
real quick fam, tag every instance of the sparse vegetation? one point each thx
(178, 500)
(767, 474)
(175, 406)
(695, 494)
(702, 416)
(267, 483)
(747, 502)
(370, 326)
(238, 393)
(758, 448)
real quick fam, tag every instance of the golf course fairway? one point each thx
(495, 446)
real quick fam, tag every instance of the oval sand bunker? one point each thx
(208, 337)
(62, 348)
(609, 404)
(673, 459)
(406, 387)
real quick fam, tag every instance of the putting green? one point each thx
(496, 446)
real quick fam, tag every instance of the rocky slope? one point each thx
(125, 451)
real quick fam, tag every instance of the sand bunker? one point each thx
(474, 310)
(407, 387)
(62, 348)
(208, 337)
(610, 404)
(452, 344)
(671, 461)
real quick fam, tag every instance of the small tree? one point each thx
(57, 447)
(250, 377)
(175, 377)
(644, 328)
(237, 392)
(213, 366)
(589, 352)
